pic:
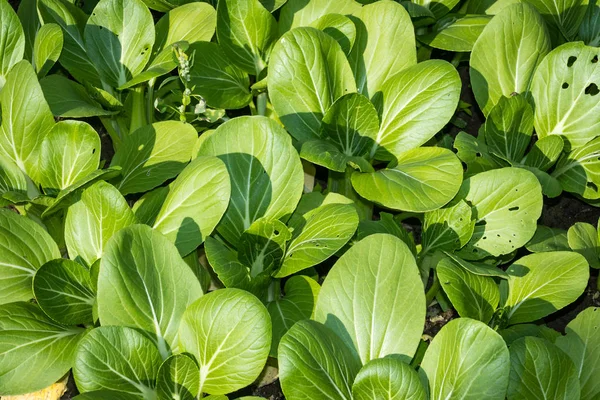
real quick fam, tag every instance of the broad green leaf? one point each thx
(542, 283)
(579, 171)
(152, 154)
(550, 185)
(386, 224)
(313, 200)
(387, 379)
(144, 283)
(12, 40)
(67, 98)
(583, 239)
(100, 213)
(30, 21)
(296, 13)
(47, 48)
(119, 36)
(473, 296)
(67, 196)
(456, 32)
(315, 364)
(230, 270)
(508, 128)
(216, 79)
(417, 103)
(326, 230)
(35, 351)
(246, 32)
(382, 272)
(298, 303)
(589, 30)
(308, 72)
(148, 206)
(462, 347)
(545, 152)
(195, 203)
(565, 89)
(69, 153)
(425, 179)
(548, 239)
(540, 370)
(520, 41)
(329, 155)
(12, 178)
(474, 152)
(63, 289)
(515, 332)
(438, 8)
(562, 15)
(506, 203)
(26, 117)
(448, 228)
(264, 169)
(178, 378)
(229, 333)
(262, 245)
(24, 247)
(117, 358)
(339, 27)
(74, 56)
(191, 23)
(382, 28)
(582, 344)
(164, 5)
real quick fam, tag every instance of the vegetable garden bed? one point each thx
(300, 199)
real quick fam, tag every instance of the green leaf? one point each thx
(425, 179)
(247, 32)
(417, 103)
(30, 21)
(74, 56)
(438, 8)
(47, 48)
(35, 351)
(195, 203)
(26, 118)
(562, 15)
(466, 360)
(515, 332)
(579, 171)
(296, 13)
(12, 40)
(193, 22)
(382, 272)
(456, 32)
(326, 230)
(229, 333)
(119, 36)
(473, 296)
(230, 270)
(67, 98)
(12, 178)
(386, 224)
(100, 213)
(106, 394)
(582, 344)
(117, 358)
(545, 152)
(542, 283)
(262, 245)
(298, 304)
(264, 168)
(548, 239)
(520, 39)
(448, 228)
(152, 154)
(508, 128)
(474, 152)
(507, 203)
(550, 185)
(272, 5)
(382, 28)
(148, 206)
(144, 283)
(589, 30)
(583, 239)
(216, 79)
(315, 364)
(63, 289)
(178, 378)
(387, 379)
(540, 370)
(565, 87)
(339, 27)
(328, 155)
(308, 72)
(69, 153)
(25, 246)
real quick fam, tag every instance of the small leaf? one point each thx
(448, 228)
(545, 152)
(579, 171)
(456, 32)
(178, 378)
(339, 27)
(583, 239)
(67, 98)
(548, 239)
(562, 15)
(47, 49)
(438, 8)
(296, 13)
(515, 332)
(387, 379)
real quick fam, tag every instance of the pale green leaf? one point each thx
(456, 32)
(515, 332)
(12, 178)
(562, 15)
(67, 98)
(545, 152)
(296, 13)
(448, 228)
(47, 48)
(387, 379)
(148, 206)
(583, 239)
(12, 40)
(579, 171)
(548, 239)
(439, 8)
(339, 27)
(178, 378)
